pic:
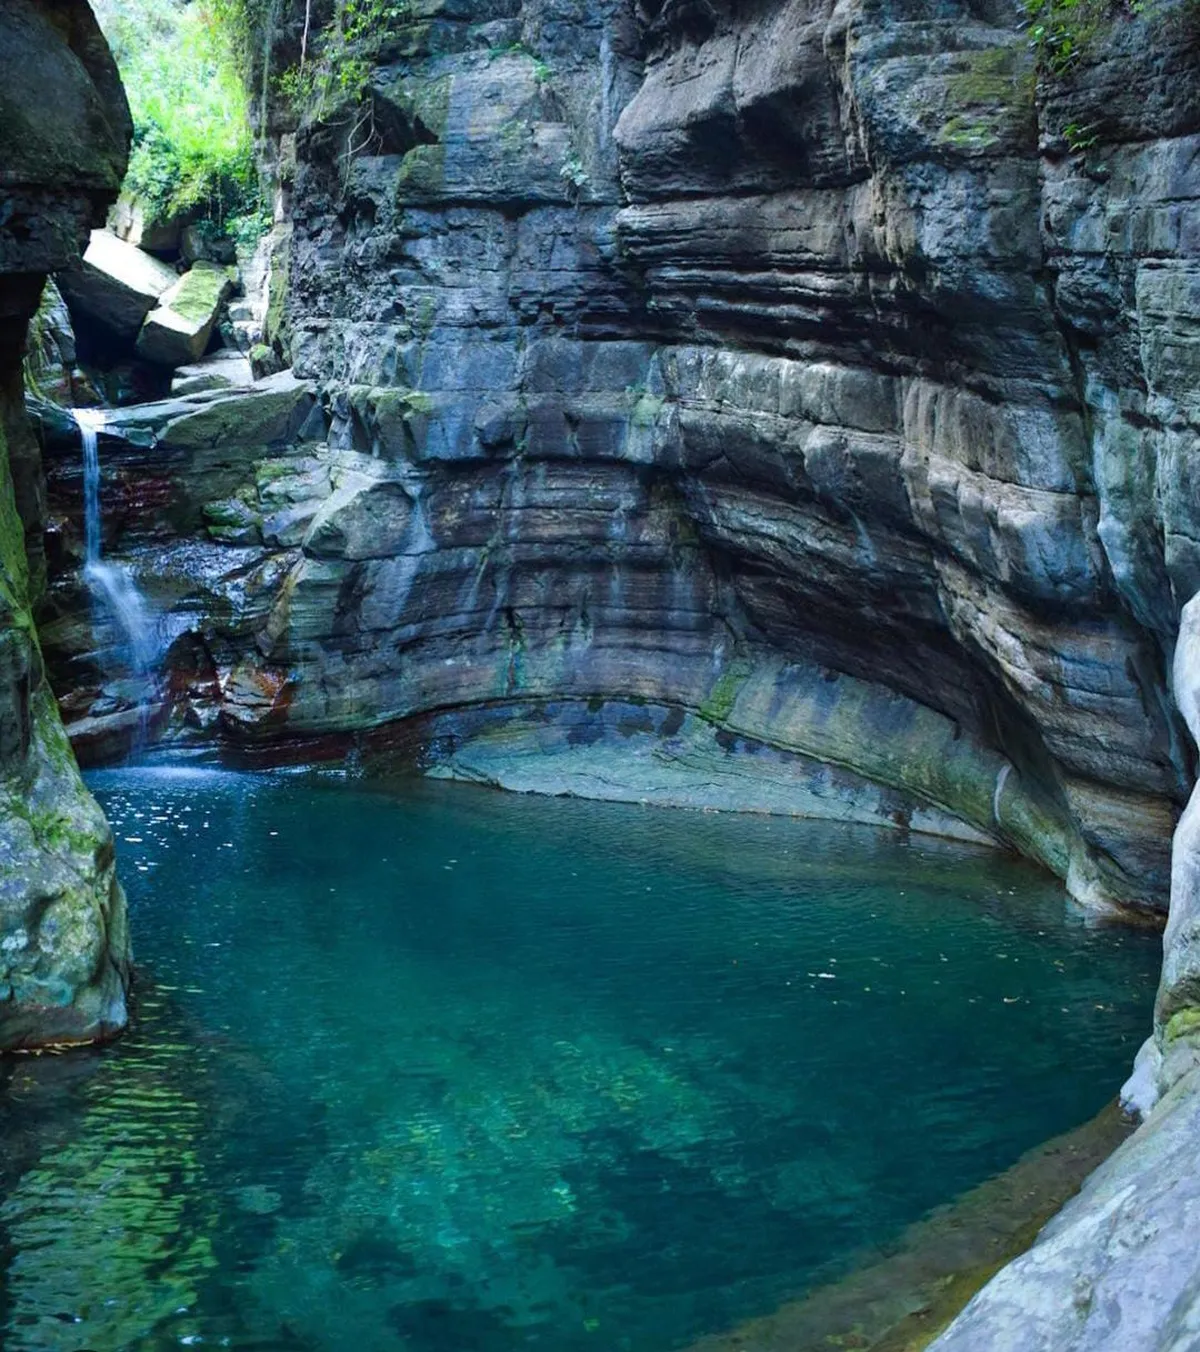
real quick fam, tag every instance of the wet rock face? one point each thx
(661, 347)
(64, 138)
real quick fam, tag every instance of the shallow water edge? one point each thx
(901, 1299)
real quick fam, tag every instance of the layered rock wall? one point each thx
(686, 353)
(64, 139)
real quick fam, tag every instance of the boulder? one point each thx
(197, 243)
(178, 331)
(64, 143)
(272, 413)
(116, 285)
(140, 224)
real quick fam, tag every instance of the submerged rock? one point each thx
(116, 285)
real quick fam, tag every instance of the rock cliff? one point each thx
(754, 390)
(64, 138)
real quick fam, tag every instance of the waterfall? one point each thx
(90, 421)
(607, 81)
(113, 590)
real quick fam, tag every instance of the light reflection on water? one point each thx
(446, 1070)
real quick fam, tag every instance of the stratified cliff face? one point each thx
(64, 139)
(739, 404)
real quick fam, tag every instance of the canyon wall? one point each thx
(64, 139)
(774, 405)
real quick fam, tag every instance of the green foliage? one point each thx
(1080, 137)
(245, 22)
(574, 175)
(193, 151)
(336, 71)
(1061, 30)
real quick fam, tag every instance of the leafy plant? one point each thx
(1079, 137)
(1060, 30)
(193, 152)
(339, 68)
(574, 175)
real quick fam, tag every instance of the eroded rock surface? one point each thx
(1118, 1266)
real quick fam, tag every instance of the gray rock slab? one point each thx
(1118, 1269)
(220, 371)
(116, 285)
(178, 330)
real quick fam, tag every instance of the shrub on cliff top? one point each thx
(193, 150)
(335, 61)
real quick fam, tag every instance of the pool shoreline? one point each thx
(902, 1299)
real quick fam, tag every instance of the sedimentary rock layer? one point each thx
(652, 348)
(790, 402)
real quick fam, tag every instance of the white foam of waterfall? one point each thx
(90, 421)
(115, 589)
(111, 587)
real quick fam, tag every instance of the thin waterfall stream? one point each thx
(114, 594)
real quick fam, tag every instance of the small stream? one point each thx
(441, 1070)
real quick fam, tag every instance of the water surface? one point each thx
(441, 1070)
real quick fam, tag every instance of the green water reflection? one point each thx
(443, 1070)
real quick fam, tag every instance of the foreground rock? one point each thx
(64, 139)
(50, 351)
(1119, 1266)
(116, 285)
(179, 329)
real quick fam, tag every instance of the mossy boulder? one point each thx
(64, 141)
(272, 412)
(65, 130)
(179, 330)
(64, 947)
